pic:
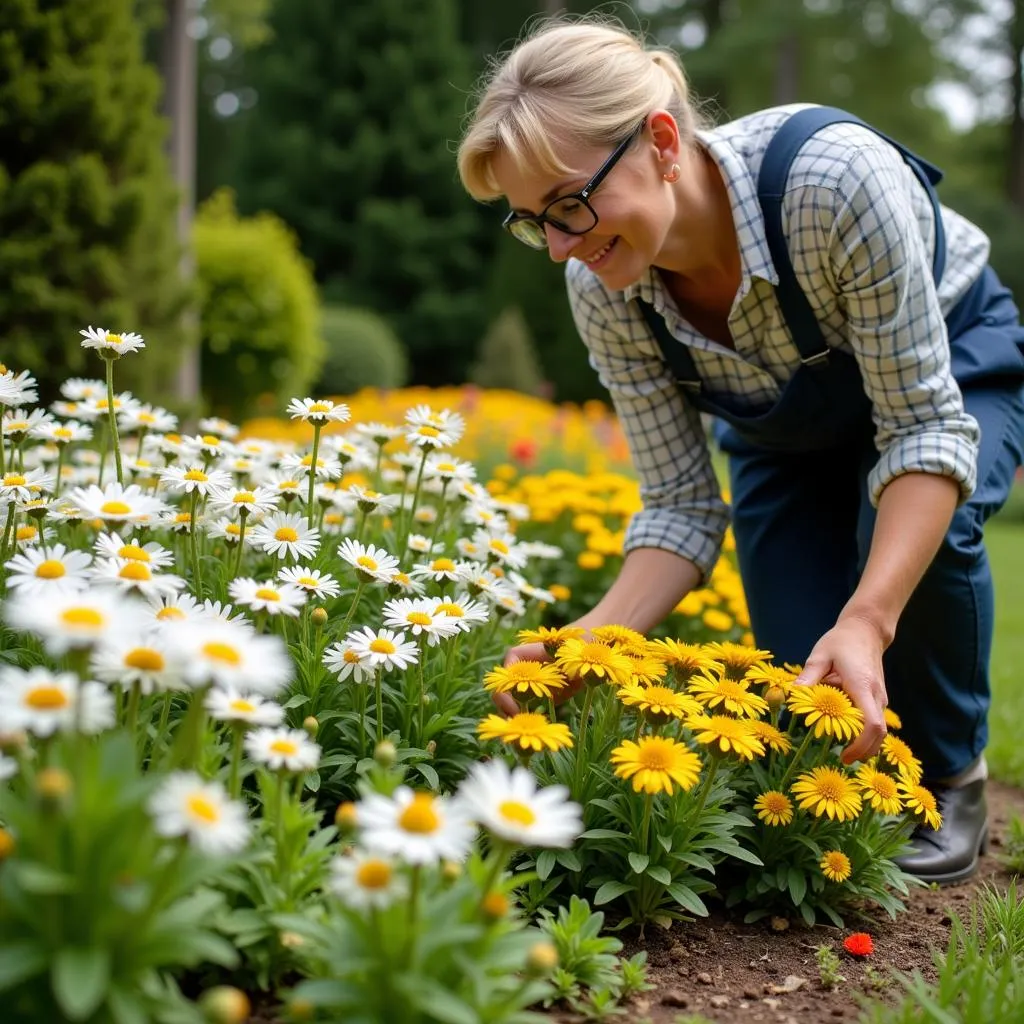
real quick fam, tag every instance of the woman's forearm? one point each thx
(914, 513)
(650, 584)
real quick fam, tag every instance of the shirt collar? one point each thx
(755, 257)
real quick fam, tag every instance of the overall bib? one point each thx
(798, 475)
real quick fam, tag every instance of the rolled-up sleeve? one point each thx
(883, 276)
(683, 510)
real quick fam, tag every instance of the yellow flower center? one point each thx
(133, 552)
(13, 479)
(655, 757)
(46, 698)
(285, 747)
(420, 816)
(115, 508)
(499, 545)
(209, 439)
(62, 432)
(146, 417)
(144, 658)
(135, 571)
(381, 646)
(203, 809)
(17, 426)
(183, 517)
(307, 581)
(170, 613)
(243, 496)
(287, 534)
(51, 569)
(321, 407)
(429, 432)
(113, 339)
(452, 610)
(367, 563)
(24, 533)
(775, 803)
(82, 617)
(222, 652)
(884, 785)
(245, 706)
(196, 476)
(517, 812)
(442, 565)
(446, 467)
(660, 695)
(266, 594)
(234, 529)
(351, 658)
(373, 874)
(288, 485)
(418, 619)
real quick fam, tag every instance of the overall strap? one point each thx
(676, 355)
(771, 187)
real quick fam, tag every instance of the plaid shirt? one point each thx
(861, 236)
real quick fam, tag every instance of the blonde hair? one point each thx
(589, 81)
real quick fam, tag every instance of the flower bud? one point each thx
(494, 905)
(53, 784)
(432, 747)
(311, 725)
(318, 616)
(291, 940)
(299, 1009)
(775, 696)
(13, 742)
(451, 871)
(225, 1005)
(385, 754)
(7, 844)
(541, 959)
(346, 817)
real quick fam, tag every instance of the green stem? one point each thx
(379, 686)
(352, 609)
(581, 742)
(8, 531)
(61, 448)
(3, 454)
(112, 415)
(406, 528)
(235, 771)
(317, 427)
(797, 758)
(193, 546)
(242, 516)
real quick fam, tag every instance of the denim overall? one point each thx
(798, 475)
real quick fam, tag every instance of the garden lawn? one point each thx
(1005, 537)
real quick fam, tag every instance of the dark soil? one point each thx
(727, 971)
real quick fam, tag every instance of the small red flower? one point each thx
(524, 451)
(859, 944)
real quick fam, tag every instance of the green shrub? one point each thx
(506, 358)
(362, 351)
(260, 311)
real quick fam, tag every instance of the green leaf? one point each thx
(610, 891)
(43, 881)
(545, 863)
(638, 862)
(126, 1007)
(435, 1000)
(20, 961)
(569, 859)
(429, 773)
(296, 701)
(81, 977)
(603, 833)
(311, 781)
(807, 913)
(660, 874)
(687, 898)
(797, 885)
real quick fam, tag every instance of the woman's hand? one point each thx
(505, 702)
(850, 656)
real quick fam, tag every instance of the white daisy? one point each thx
(114, 503)
(383, 648)
(132, 576)
(352, 456)
(446, 420)
(17, 388)
(314, 582)
(370, 563)
(422, 546)
(233, 654)
(527, 589)
(151, 660)
(417, 615)
(287, 485)
(500, 547)
(62, 433)
(191, 478)
(230, 705)
(217, 612)
(94, 408)
(368, 500)
(478, 514)
(19, 423)
(42, 702)
(289, 750)
(110, 545)
(186, 805)
(470, 551)
(205, 447)
(448, 468)
(266, 596)
(366, 881)
(76, 389)
(223, 529)
(538, 549)
(66, 621)
(513, 509)
(509, 805)
(300, 465)
(17, 486)
(286, 534)
(343, 661)
(318, 410)
(402, 583)
(167, 608)
(463, 611)
(147, 417)
(418, 827)
(233, 501)
(34, 572)
(440, 570)
(178, 520)
(108, 343)
(216, 425)
(379, 433)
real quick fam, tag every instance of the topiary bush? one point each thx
(260, 311)
(506, 357)
(362, 351)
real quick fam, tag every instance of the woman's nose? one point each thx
(560, 244)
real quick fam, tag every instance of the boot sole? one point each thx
(962, 874)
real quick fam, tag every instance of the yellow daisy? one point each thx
(828, 791)
(659, 703)
(898, 754)
(686, 660)
(921, 801)
(774, 808)
(655, 763)
(828, 709)
(614, 634)
(879, 789)
(646, 669)
(777, 682)
(528, 731)
(593, 662)
(736, 659)
(892, 720)
(835, 865)
(726, 694)
(551, 637)
(725, 733)
(540, 679)
(772, 738)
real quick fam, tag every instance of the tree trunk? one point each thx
(787, 69)
(1015, 175)
(178, 64)
(717, 85)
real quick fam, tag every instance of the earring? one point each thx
(673, 174)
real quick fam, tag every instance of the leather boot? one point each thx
(951, 853)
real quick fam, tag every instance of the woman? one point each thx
(792, 274)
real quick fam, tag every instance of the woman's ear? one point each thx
(663, 132)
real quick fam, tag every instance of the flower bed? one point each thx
(248, 739)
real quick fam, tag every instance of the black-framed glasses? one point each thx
(572, 213)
